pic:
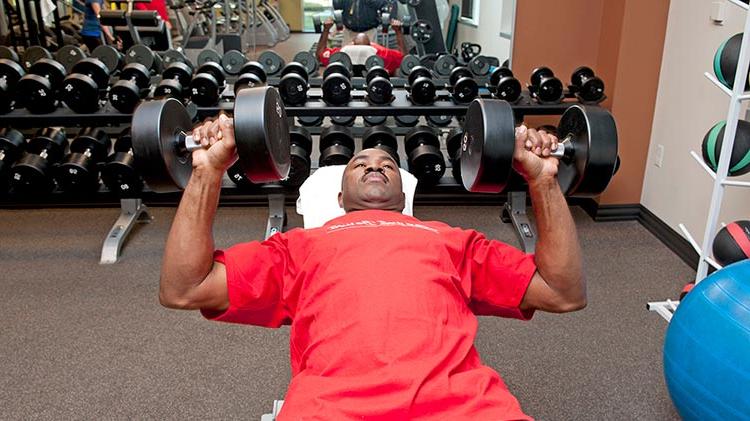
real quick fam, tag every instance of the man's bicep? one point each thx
(539, 295)
(213, 294)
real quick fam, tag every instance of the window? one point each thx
(470, 12)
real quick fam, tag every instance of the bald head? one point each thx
(372, 180)
(361, 39)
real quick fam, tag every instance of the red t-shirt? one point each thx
(391, 58)
(160, 6)
(382, 308)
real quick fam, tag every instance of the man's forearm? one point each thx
(188, 255)
(401, 42)
(558, 254)
(322, 44)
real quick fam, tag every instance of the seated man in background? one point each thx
(382, 306)
(362, 48)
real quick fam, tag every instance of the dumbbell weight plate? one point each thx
(80, 93)
(34, 54)
(588, 171)
(109, 56)
(376, 71)
(423, 91)
(343, 120)
(237, 175)
(479, 66)
(120, 176)
(179, 71)
(94, 68)
(295, 68)
(487, 146)
(69, 55)
(380, 91)
(208, 56)
(445, 64)
(498, 74)
(406, 120)
(375, 120)
(550, 90)
(293, 89)
(538, 73)
(169, 88)
(204, 90)
(459, 72)
(308, 60)
(373, 61)
(578, 74)
(247, 80)
(465, 90)
(336, 89)
(141, 54)
(174, 56)
(426, 162)
(272, 62)
(300, 148)
(508, 89)
(310, 121)
(421, 31)
(232, 61)
(36, 94)
(8, 53)
(343, 58)
(409, 62)
(11, 72)
(453, 145)
(255, 68)
(417, 72)
(440, 120)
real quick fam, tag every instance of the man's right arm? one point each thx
(398, 30)
(190, 279)
(323, 40)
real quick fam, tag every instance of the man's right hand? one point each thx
(328, 24)
(219, 151)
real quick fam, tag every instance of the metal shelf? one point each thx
(723, 88)
(739, 3)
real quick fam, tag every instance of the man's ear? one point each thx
(341, 199)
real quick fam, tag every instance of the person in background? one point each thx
(92, 29)
(361, 47)
(160, 6)
(363, 16)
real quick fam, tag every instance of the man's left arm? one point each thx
(558, 285)
(399, 31)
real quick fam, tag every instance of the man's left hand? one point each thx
(531, 157)
(396, 25)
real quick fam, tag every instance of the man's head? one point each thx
(372, 180)
(361, 39)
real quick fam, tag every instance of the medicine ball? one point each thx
(732, 243)
(706, 356)
(725, 61)
(711, 148)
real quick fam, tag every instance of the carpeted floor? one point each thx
(84, 341)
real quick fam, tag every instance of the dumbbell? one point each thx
(337, 85)
(125, 94)
(37, 90)
(232, 61)
(79, 171)
(308, 60)
(163, 143)
(374, 120)
(252, 75)
(69, 56)
(453, 145)
(463, 86)
(109, 55)
(381, 137)
(445, 64)
(293, 85)
(10, 73)
(119, 172)
(545, 87)
(425, 160)
(33, 54)
(379, 86)
(587, 151)
(406, 120)
(174, 55)
(174, 81)
(140, 53)
(421, 86)
(272, 62)
(33, 172)
(343, 120)
(504, 85)
(440, 120)
(12, 145)
(409, 62)
(343, 58)
(207, 84)
(374, 61)
(300, 147)
(82, 89)
(8, 53)
(310, 121)
(586, 86)
(336, 146)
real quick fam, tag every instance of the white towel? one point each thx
(318, 200)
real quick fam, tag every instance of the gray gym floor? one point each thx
(84, 341)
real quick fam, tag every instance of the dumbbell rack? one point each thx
(737, 96)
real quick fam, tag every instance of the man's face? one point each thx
(372, 180)
(361, 39)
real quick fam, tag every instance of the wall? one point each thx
(492, 13)
(687, 106)
(292, 12)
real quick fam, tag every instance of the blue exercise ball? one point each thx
(707, 348)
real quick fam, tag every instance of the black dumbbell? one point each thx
(69, 56)
(79, 171)
(379, 86)
(381, 137)
(406, 120)
(374, 120)
(463, 86)
(310, 121)
(336, 146)
(337, 85)
(343, 120)
(174, 55)
(453, 145)
(426, 161)
(33, 172)
(141, 54)
(12, 144)
(119, 172)
(236, 173)
(33, 54)
(586, 86)
(251, 75)
(81, 90)
(37, 90)
(421, 86)
(174, 81)
(293, 85)
(8, 53)
(545, 87)
(127, 92)
(109, 56)
(300, 147)
(440, 120)
(232, 61)
(10, 73)
(504, 85)
(207, 84)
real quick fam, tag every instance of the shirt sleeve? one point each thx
(256, 274)
(391, 59)
(500, 276)
(326, 55)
